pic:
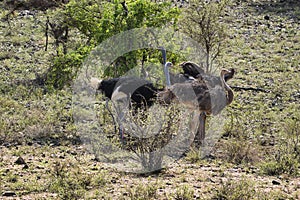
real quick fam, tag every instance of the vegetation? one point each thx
(97, 21)
(202, 23)
(258, 154)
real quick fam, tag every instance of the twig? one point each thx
(112, 116)
(237, 88)
(46, 33)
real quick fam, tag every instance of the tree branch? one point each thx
(237, 88)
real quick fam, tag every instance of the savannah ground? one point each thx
(257, 157)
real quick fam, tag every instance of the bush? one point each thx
(236, 190)
(240, 151)
(202, 23)
(72, 184)
(143, 191)
(184, 193)
(244, 189)
(65, 68)
(287, 154)
(100, 20)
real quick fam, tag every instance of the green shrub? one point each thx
(73, 184)
(97, 21)
(245, 189)
(184, 193)
(236, 190)
(194, 155)
(143, 191)
(65, 68)
(287, 153)
(240, 151)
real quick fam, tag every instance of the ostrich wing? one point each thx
(196, 95)
(191, 69)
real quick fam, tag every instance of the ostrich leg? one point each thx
(121, 128)
(200, 135)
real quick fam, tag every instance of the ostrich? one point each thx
(206, 97)
(192, 72)
(124, 90)
(141, 91)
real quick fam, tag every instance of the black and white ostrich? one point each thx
(141, 92)
(133, 92)
(127, 92)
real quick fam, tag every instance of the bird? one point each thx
(192, 72)
(126, 92)
(132, 91)
(203, 95)
(141, 91)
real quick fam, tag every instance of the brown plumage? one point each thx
(201, 94)
(209, 95)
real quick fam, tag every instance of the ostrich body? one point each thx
(141, 91)
(208, 98)
(192, 71)
(124, 91)
(204, 95)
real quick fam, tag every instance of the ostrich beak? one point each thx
(226, 71)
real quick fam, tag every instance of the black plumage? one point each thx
(142, 92)
(192, 71)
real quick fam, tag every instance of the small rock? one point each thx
(9, 194)
(267, 17)
(25, 166)
(113, 181)
(210, 180)
(20, 161)
(74, 153)
(53, 155)
(168, 183)
(275, 182)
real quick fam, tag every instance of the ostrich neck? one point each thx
(167, 75)
(166, 68)
(228, 89)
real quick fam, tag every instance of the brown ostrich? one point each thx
(208, 98)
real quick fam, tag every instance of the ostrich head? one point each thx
(230, 95)
(168, 64)
(225, 72)
(230, 75)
